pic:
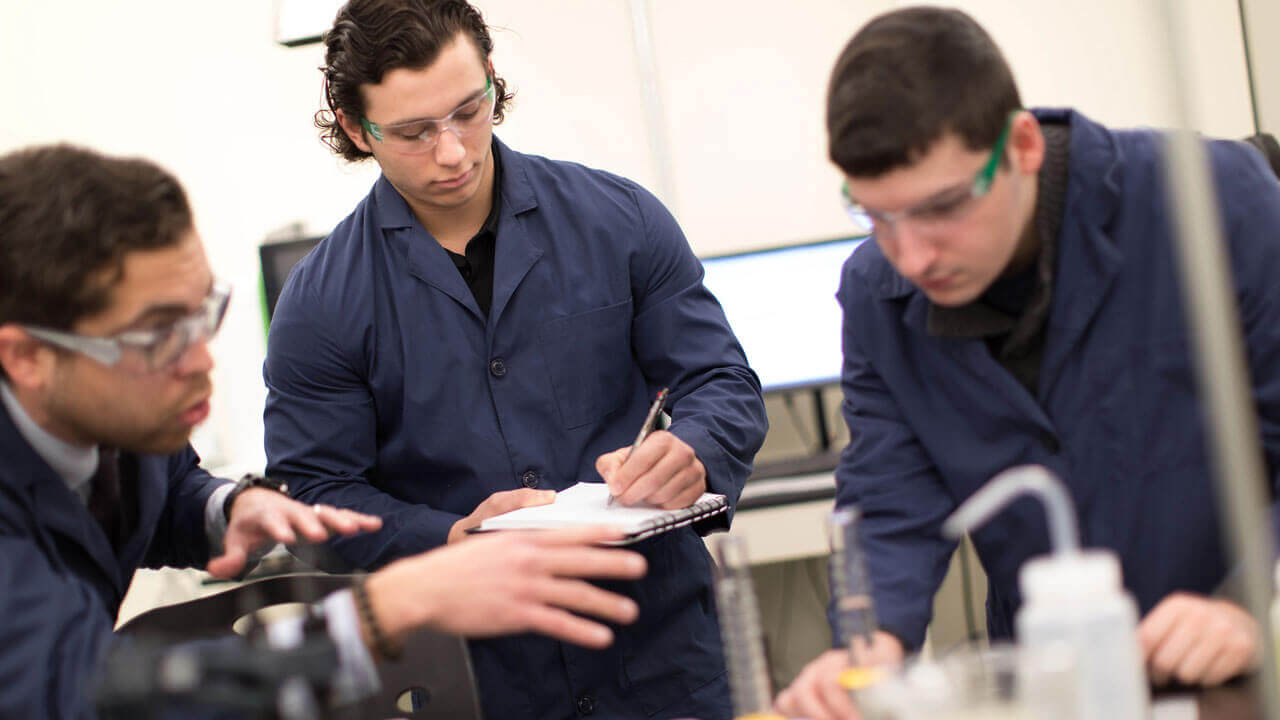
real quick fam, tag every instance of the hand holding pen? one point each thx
(659, 468)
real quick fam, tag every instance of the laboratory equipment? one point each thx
(740, 629)
(854, 610)
(1071, 598)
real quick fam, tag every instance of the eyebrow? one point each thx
(161, 310)
(470, 99)
(930, 199)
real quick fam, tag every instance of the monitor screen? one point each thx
(278, 258)
(781, 304)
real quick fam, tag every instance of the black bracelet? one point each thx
(251, 481)
(382, 645)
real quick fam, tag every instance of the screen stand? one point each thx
(820, 421)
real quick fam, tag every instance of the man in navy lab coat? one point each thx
(107, 304)
(1020, 304)
(487, 327)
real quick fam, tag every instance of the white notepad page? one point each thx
(587, 503)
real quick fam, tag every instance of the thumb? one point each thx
(608, 464)
(229, 564)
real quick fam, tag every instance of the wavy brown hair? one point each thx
(68, 218)
(370, 38)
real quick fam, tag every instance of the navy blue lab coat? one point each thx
(1115, 415)
(391, 393)
(62, 582)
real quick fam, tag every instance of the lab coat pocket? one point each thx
(674, 648)
(588, 356)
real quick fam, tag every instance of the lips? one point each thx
(455, 182)
(940, 283)
(195, 414)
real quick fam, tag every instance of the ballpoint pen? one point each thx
(645, 429)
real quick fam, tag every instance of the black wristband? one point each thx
(251, 481)
(382, 644)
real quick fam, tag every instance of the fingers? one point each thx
(583, 598)
(681, 491)
(817, 693)
(567, 627)
(508, 500)
(305, 519)
(227, 565)
(1197, 640)
(1158, 623)
(341, 521)
(663, 471)
(593, 535)
(885, 649)
(590, 562)
(277, 527)
(609, 463)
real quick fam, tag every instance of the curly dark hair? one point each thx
(68, 218)
(370, 38)
(908, 77)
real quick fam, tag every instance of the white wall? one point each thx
(1262, 17)
(201, 88)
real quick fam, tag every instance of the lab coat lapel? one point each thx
(59, 510)
(515, 251)
(1088, 260)
(55, 507)
(430, 263)
(426, 260)
(972, 356)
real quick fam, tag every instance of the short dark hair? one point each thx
(68, 218)
(370, 38)
(907, 78)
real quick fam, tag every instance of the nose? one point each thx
(914, 254)
(196, 359)
(449, 148)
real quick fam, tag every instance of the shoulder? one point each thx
(562, 183)
(867, 276)
(328, 277)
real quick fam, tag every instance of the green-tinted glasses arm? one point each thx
(372, 128)
(987, 175)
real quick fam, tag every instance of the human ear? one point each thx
(355, 132)
(27, 362)
(1026, 143)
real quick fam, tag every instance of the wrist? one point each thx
(249, 482)
(382, 626)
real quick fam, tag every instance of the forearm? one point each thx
(407, 528)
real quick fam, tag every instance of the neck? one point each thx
(29, 404)
(1029, 239)
(454, 227)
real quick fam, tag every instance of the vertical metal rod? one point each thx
(1222, 372)
(654, 112)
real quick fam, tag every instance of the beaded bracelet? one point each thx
(382, 644)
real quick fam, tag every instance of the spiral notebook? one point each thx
(587, 503)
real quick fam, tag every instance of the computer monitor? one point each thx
(278, 258)
(781, 304)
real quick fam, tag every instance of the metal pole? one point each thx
(1223, 375)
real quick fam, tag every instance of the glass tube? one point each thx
(855, 614)
(740, 629)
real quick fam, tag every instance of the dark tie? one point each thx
(104, 495)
